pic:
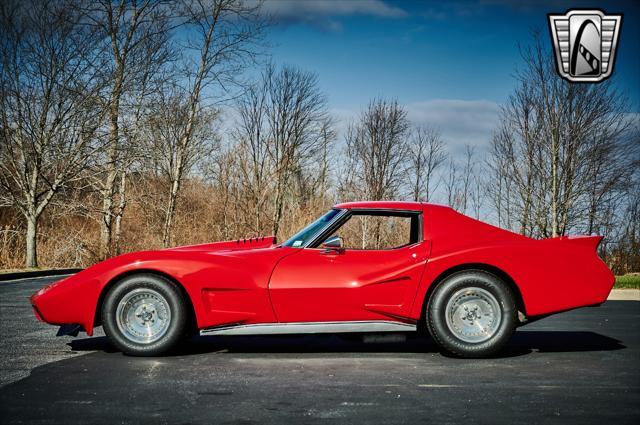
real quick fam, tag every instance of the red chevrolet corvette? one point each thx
(361, 267)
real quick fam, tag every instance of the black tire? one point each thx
(156, 289)
(448, 333)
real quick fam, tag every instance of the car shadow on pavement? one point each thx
(522, 343)
(526, 342)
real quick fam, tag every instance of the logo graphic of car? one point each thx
(585, 44)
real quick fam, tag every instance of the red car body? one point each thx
(255, 281)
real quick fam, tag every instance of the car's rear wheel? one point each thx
(144, 315)
(471, 314)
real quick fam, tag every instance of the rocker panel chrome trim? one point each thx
(310, 327)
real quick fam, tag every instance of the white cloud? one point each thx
(320, 12)
(461, 122)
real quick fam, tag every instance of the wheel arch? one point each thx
(97, 320)
(498, 272)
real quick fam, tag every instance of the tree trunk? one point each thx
(32, 235)
(524, 222)
(365, 222)
(277, 204)
(109, 185)
(257, 212)
(554, 186)
(277, 215)
(107, 218)
(178, 168)
(117, 230)
(171, 208)
(416, 190)
(427, 188)
(416, 184)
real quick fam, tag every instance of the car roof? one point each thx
(385, 205)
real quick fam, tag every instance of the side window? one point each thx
(379, 231)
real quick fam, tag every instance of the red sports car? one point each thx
(361, 267)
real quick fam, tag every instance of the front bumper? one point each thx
(67, 302)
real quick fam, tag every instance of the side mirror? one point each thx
(333, 245)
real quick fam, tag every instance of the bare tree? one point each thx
(224, 36)
(425, 154)
(467, 176)
(624, 253)
(283, 127)
(311, 177)
(165, 129)
(135, 36)
(563, 149)
(48, 92)
(252, 138)
(376, 149)
(296, 114)
(222, 172)
(320, 176)
(452, 185)
(477, 194)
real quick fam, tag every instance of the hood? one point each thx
(234, 245)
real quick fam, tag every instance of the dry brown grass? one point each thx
(68, 235)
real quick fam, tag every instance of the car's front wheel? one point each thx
(144, 315)
(471, 314)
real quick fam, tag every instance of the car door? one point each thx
(367, 282)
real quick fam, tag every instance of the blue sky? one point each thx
(450, 63)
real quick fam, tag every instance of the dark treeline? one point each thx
(142, 124)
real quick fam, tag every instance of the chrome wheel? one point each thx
(473, 315)
(143, 316)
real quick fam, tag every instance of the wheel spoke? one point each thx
(143, 316)
(473, 315)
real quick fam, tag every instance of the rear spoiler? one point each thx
(588, 241)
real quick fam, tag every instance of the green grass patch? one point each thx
(628, 281)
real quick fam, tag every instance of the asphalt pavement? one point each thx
(577, 367)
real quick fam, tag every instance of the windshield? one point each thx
(304, 236)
